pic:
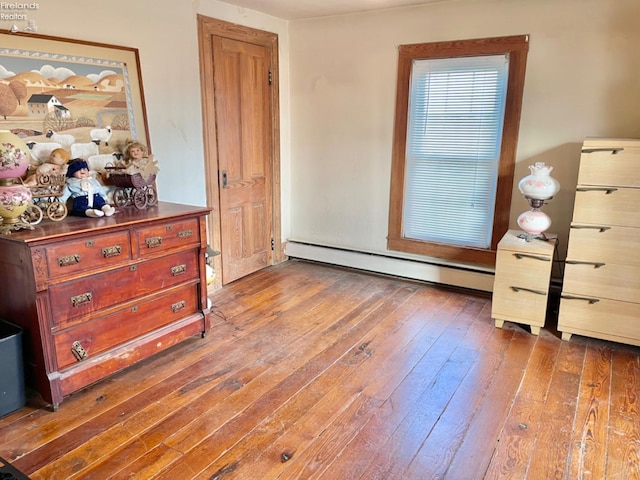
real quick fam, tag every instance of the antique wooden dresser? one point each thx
(601, 288)
(97, 295)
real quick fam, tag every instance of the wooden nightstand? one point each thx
(522, 277)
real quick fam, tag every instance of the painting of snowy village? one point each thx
(86, 98)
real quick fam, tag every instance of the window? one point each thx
(456, 128)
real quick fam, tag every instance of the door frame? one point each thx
(207, 27)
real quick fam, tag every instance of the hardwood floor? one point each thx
(319, 372)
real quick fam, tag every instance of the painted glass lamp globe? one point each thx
(14, 157)
(536, 188)
(15, 198)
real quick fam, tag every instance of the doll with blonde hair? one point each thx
(135, 151)
(56, 164)
(138, 160)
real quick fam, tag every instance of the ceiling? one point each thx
(298, 9)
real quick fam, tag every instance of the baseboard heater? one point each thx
(389, 265)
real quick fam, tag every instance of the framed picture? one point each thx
(59, 91)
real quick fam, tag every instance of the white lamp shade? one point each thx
(540, 185)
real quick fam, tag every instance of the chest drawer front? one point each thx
(602, 243)
(519, 304)
(88, 253)
(607, 206)
(604, 319)
(610, 166)
(165, 236)
(82, 297)
(101, 334)
(520, 269)
(609, 280)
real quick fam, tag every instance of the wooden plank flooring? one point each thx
(316, 372)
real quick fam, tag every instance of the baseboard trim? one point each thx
(398, 267)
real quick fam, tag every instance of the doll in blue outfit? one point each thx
(86, 193)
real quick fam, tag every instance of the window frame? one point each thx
(517, 47)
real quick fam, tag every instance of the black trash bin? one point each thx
(12, 394)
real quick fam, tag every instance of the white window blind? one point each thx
(454, 134)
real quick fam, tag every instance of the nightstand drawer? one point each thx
(165, 236)
(522, 269)
(519, 304)
(78, 298)
(88, 253)
(103, 333)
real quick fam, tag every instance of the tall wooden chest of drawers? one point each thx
(522, 278)
(97, 295)
(601, 288)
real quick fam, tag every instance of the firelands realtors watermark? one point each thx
(18, 12)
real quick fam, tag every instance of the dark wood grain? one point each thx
(317, 372)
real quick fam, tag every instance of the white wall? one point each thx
(165, 33)
(337, 109)
(582, 80)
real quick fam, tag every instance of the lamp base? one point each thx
(533, 236)
(7, 227)
(534, 221)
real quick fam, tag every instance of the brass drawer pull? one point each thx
(78, 351)
(613, 150)
(520, 256)
(607, 190)
(82, 299)
(600, 228)
(530, 290)
(578, 262)
(69, 260)
(178, 270)
(176, 307)
(185, 233)
(591, 300)
(114, 251)
(154, 242)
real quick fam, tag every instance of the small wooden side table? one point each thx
(522, 278)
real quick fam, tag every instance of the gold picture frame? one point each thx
(72, 88)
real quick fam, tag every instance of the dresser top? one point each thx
(595, 142)
(124, 217)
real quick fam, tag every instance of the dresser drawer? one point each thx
(608, 319)
(607, 206)
(88, 253)
(610, 163)
(602, 243)
(156, 238)
(608, 280)
(103, 333)
(78, 298)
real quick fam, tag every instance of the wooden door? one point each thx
(240, 105)
(241, 84)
